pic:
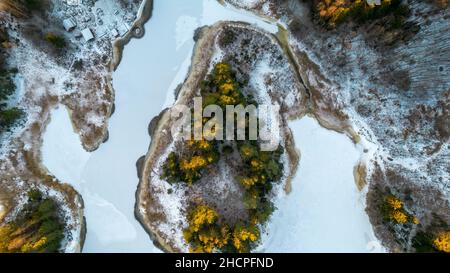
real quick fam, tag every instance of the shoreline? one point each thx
(341, 127)
(136, 31)
(155, 144)
(118, 46)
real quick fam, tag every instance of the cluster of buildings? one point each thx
(92, 19)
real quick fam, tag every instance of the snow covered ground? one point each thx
(325, 211)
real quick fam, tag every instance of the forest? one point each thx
(38, 228)
(333, 13)
(8, 115)
(22, 8)
(404, 226)
(208, 231)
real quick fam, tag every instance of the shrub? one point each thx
(171, 168)
(9, 116)
(56, 40)
(262, 212)
(227, 38)
(245, 236)
(423, 242)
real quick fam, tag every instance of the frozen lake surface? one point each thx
(325, 211)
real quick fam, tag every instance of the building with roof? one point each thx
(87, 34)
(69, 24)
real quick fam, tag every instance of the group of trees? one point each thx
(261, 169)
(258, 171)
(334, 12)
(221, 87)
(56, 40)
(433, 237)
(197, 155)
(186, 165)
(8, 115)
(37, 229)
(21, 8)
(428, 241)
(205, 234)
(24, 8)
(394, 211)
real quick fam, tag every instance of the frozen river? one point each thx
(145, 81)
(325, 210)
(151, 69)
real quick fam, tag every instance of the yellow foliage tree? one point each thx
(243, 236)
(200, 216)
(442, 242)
(399, 217)
(195, 163)
(249, 182)
(203, 233)
(396, 213)
(394, 202)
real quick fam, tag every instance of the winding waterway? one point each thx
(151, 69)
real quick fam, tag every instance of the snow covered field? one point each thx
(325, 211)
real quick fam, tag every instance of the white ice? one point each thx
(325, 212)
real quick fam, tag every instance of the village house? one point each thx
(87, 34)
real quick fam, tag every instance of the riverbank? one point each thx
(136, 31)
